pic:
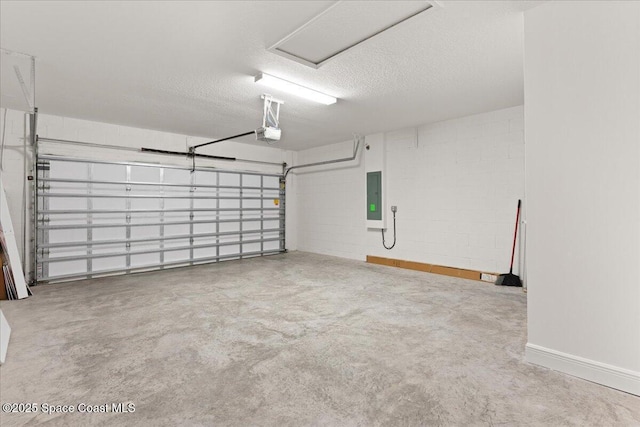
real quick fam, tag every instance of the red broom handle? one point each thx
(515, 236)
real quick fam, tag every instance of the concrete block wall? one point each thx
(103, 133)
(456, 184)
(331, 200)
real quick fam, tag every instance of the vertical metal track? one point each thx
(128, 219)
(218, 215)
(262, 213)
(42, 237)
(283, 202)
(89, 219)
(241, 216)
(34, 187)
(192, 189)
(162, 192)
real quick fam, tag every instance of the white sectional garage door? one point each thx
(96, 218)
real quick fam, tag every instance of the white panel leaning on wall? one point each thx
(12, 268)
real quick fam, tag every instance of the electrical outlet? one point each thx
(394, 209)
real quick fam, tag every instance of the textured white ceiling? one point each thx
(188, 67)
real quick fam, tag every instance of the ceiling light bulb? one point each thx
(295, 89)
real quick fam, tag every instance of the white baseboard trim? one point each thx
(590, 370)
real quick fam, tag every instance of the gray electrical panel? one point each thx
(374, 195)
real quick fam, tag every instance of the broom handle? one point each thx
(515, 235)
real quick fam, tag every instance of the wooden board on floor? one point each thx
(428, 268)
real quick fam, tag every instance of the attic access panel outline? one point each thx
(332, 32)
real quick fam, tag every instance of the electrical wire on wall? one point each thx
(25, 173)
(4, 128)
(394, 209)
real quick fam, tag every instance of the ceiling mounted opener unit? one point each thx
(269, 132)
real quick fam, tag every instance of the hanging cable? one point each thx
(394, 231)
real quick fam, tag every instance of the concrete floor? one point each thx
(296, 339)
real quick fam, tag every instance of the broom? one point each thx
(510, 279)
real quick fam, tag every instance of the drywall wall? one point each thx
(16, 130)
(582, 114)
(456, 184)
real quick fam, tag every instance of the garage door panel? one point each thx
(142, 204)
(176, 230)
(205, 177)
(176, 176)
(104, 249)
(111, 233)
(102, 220)
(204, 228)
(252, 203)
(144, 217)
(144, 174)
(229, 203)
(182, 255)
(176, 203)
(65, 236)
(210, 203)
(109, 263)
(271, 223)
(229, 179)
(176, 243)
(145, 231)
(229, 226)
(145, 260)
(67, 203)
(251, 247)
(116, 217)
(109, 172)
(67, 268)
(67, 170)
(109, 203)
(229, 250)
(252, 225)
(201, 253)
(271, 246)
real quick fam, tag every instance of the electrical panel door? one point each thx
(374, 195)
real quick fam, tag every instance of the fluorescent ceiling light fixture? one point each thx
(295, 89)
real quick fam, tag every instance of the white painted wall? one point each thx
(331, 202)
(582, 114)
(103, 133)
(456, 189)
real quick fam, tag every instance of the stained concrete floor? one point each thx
(295, 339)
